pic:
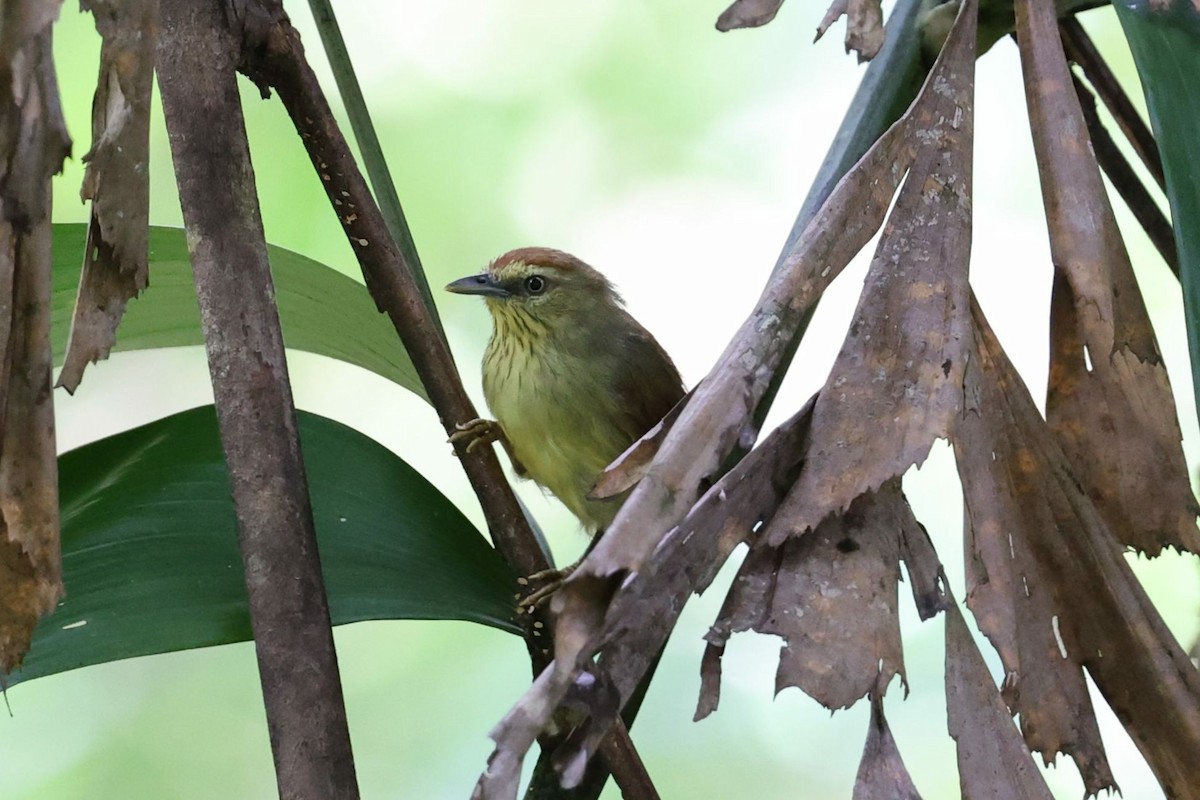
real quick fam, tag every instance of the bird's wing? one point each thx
(648, 384)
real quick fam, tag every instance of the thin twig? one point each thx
(368, 143)
(1126, 181)
(289, 613)
(1080, 49)
(273, 57)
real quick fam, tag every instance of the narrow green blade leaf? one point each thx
(1166, 50)
(322, 311)
(150, 556)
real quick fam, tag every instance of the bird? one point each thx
(571, 377)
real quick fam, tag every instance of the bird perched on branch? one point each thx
(572, 379)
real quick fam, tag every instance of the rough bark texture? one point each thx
(289, 614)
(33, 144)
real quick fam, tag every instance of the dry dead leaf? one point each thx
(117, 181)
(1102, 418)
(864, 21)
(992, 760)
(902, 362)
(831, 595)
(1026, 508)
(712, 423)
(1012, 597)
(881, 772)
(33, 144)
(1109, 402)
(993, 763)
(864, 26)
(930, 593)
(837, 9)
(640, 618)
(748, 14)
(517, 732)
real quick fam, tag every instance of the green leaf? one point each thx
(150, 555)
(1166, 50)
(321, 310)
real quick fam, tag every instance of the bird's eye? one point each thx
(535, 284)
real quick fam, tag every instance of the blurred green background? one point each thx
(674, 159)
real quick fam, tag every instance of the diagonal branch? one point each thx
(273, 57)
(368, 143)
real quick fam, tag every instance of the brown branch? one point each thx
(1080, 49)
(273, 57)
(1125, 180)
(289, 613)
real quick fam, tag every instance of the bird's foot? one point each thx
(477, 432)
(544, 584)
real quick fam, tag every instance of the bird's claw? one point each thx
(475, 433)
(550, 580)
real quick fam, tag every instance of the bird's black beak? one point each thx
(483, 284)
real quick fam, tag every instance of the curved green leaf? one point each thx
(150, 555)
(1166, 49)
(321, 310)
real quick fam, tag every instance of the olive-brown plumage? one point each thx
(570, 376)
